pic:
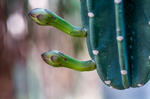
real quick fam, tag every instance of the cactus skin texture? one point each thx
(117, 33)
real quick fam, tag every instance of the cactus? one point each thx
(117, 33)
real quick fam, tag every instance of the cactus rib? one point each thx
(45, 17)
(58, 59)
(92, 37)
(121, 41)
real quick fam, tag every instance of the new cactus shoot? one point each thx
(45, 17)
(58, 59)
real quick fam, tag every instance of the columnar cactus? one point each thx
(117, 33)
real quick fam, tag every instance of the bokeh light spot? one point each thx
(16, 25)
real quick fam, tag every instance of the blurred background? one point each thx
(24, 75)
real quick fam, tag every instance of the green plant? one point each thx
(118, 41)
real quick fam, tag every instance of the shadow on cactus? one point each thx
(117, 34)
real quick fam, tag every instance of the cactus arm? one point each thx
(45, 17)
(58, 59)
(121, 41)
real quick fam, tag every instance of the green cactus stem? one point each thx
(58, 59)
(120, 30)
(45, 17)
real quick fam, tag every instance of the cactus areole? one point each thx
(118, 40)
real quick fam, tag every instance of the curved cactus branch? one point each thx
(58, 59)
(46, 17)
